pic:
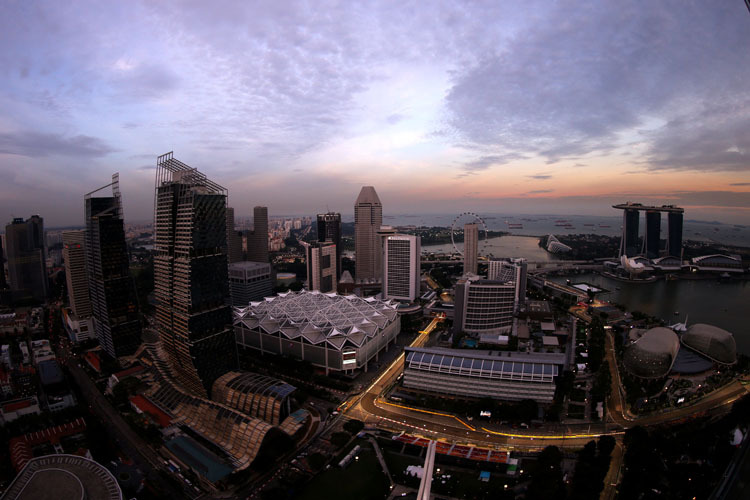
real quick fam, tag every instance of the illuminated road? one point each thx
(374, 410)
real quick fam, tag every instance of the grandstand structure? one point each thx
(507, 376)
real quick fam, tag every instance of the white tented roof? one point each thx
(317, 316)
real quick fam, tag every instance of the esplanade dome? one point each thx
(652, 355)
(711, 341)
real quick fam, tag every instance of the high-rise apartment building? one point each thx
(27, 269)
(329, 231)
(112, 292)
(368, 217)
(401, 267)
(471, 247)
(190, 275)
(234, 241)
(257, 239)
(74, 254)
(321, 266)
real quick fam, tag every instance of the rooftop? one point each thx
(71, 476)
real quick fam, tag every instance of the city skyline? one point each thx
(546, 109)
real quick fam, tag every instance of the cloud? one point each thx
(485, 162)
(716, 139)
(584, 74)
(37, 144)
(541, 177)
(740, 184)
(394, 118)
(540, 191)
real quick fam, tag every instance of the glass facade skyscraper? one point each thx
(114, 302)
(190, 275)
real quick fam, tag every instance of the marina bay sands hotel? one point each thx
(629, 244)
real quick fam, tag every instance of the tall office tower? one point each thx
(257, 239)
(329, 231)
(190, 275)
(114, 301)
(321, 266)
(653, 234)
(629, 240)
(234, 242)
(74, 255)
(368, 217)
(510, 270)
(471, 247)
(484, 306)
(401, 266)
(383, 232)
(674, 240)
(27, 268)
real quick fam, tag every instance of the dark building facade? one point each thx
(674, 239)
(114, 302)
(3, 283)
(27, 268)
(629, 245)
(329, 231)
(257, 239)
(190, 275)
(653, 234)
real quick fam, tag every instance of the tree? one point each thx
(546, 476)
(339, 439)
(353, 426)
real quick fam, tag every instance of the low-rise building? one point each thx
(469, 373)
(331, 331)
(249, 281)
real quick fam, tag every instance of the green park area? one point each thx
(361, 479)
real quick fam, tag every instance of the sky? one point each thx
(528, 107)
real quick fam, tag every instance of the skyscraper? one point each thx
(3, 283)
(321, 266)
(257, 239)
(629, 241)
(471, 247)
(190, 275)
(74, 255)
(234, 243)
(114, 301)
(653, 234)
(401, 267)
(674, 240)
(27, 268)
(368, 217)
(329, 231)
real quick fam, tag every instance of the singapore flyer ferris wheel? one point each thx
(458, 227)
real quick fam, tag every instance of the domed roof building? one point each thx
(652, 355)
(712, 342)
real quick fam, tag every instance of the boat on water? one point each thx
(604, 225)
